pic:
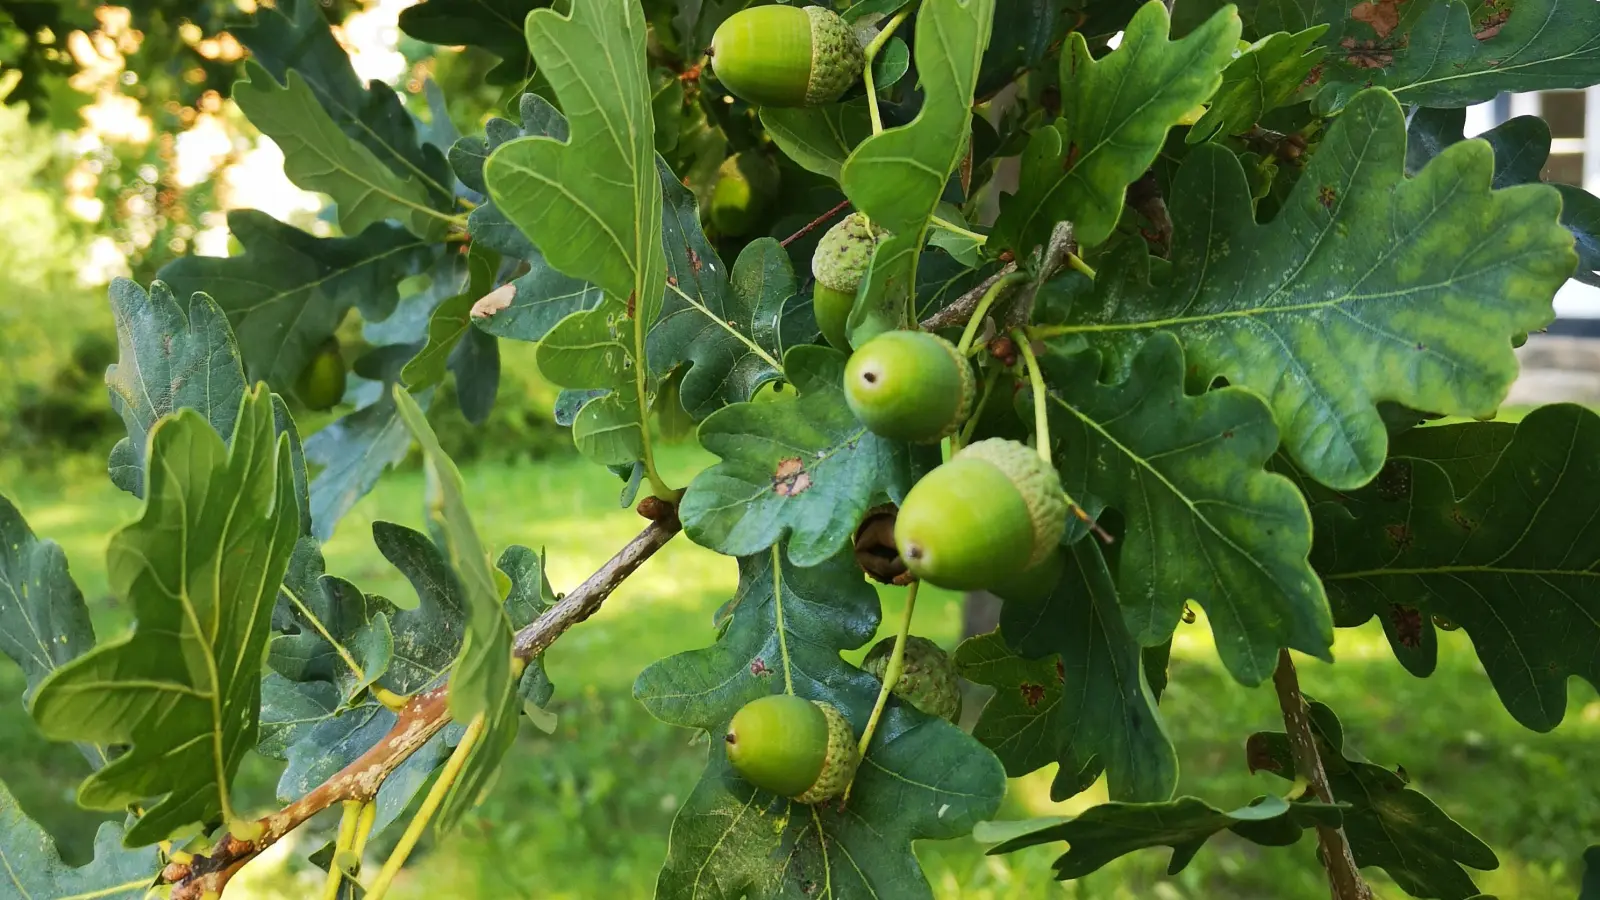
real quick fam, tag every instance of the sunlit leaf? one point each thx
(1264, 77)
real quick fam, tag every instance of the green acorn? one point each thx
(786, 55)
(1033, 584)
(927, 676)
(839, 263)
(321, 383)
(993, 510)
(743, 191)
(801, 749)
(909, 386)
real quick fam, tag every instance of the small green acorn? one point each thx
(744, 188)
(909, 386)
(801, 749)
(839, 263)
(993, 510)
(927, 676)
(786, 55)
(321, 383)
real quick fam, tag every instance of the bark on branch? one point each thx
(419, 720)
(1344, 877)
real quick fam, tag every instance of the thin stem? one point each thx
(1041, 416)
(754, 347)
(811, 225)
(1344, 877)
(891, 674)
(871, 53)
(349, 817)
(982, 309)
(658, 487)
(777, 606)
(322, 630)
(960, 439)
(953, 228)
(369, 815)
(389, 698)
(430, 807)
(1076, 262)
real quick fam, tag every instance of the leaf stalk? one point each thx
(430, 807)
(869, 54)
(891, 675)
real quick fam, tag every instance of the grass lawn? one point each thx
(584, 812)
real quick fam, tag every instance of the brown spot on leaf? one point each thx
(1383, 16)
(1061, 671)
(1491, 26)
(1258, 755)
(694, 261)
(1326, 196)
(1031, 693)
(1366, 54)
(1399, 535)
(1312, 77)
(672, 280)
(758, 667)
(495, 301)
(1394, 480)
(1462, 519)
(1407, 622)
(631, 296)
(791, 477)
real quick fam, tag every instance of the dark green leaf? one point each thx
(475, 363)
(1387, 824)
(1263, 78)
(819, 138)
(293, 35)
(329, 630)
(1434, 54)
(171, 356)
(897, 177)
(494, 25)
(1075, 691)
(805, 469)
(356, 449)
(1591, 874)
(451, 321)
(43, 620)
(1205, 522)
(183, 693)
(318, 156)
(34, 870)
(1366, 287)
(592, 205)
(1513, 561)
(922, 778)
(288, 291)
(1111, 830)
(1115, 115)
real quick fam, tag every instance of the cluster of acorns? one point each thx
(903, 385)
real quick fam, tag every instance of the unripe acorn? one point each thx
(321, 383)
(909, 386)
(993, 510)
(839, 263)
(927, 676)
(796, 748)
(786, 55)
(1033, 584)
(745, 186)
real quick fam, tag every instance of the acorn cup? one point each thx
(320, 385)
(801, 749)
(927, 676)
(909, 386)
(745, 186)
(839, 263)
(992, 511)
(786, 55)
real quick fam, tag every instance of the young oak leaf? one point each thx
(34, 869)
(1387, 824)
(592, 204)
(184, 688)
(896, 177)
(1205, 521)
(805, 469)
(1264, 77)
(1115, 115)
(1367, 287)
(922, 778)
(1510, 557)
(1075, 689)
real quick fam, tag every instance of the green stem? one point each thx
(777, 606)
(982, 309)
(958, 440)
(430, 807)
(1041, 416)
(868, 55)
(728, 327)
(1076, 262)
(953, 228)
(658, 487)
(891, 674)
(349, 818)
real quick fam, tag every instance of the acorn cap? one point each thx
(842, 256)
(910, 386)
(927, 676)
(1038, 483)
(839, 764)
